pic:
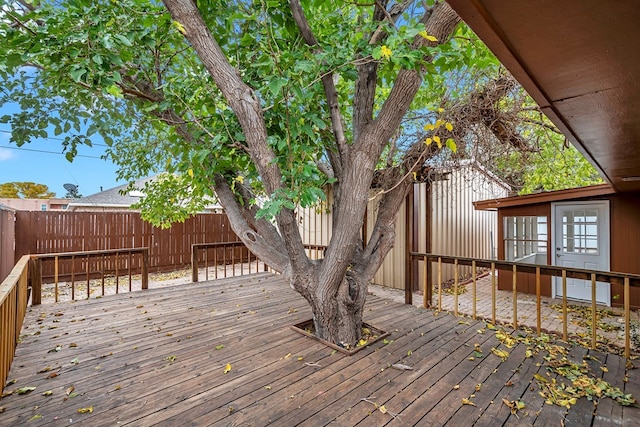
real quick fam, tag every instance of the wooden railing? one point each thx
(89, 265)
(13, 305)
(233, 258)
(627, 280)
(230, 259)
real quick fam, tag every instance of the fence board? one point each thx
(38, 232)
(7, 237)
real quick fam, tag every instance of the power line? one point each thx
(47, 152)
(58, 139)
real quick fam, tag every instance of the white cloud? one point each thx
(6, 154)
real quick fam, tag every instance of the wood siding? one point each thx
(624, 235)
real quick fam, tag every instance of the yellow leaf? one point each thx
(468, 402)
(456, 387)
(429, 127)
(287, 356)
(87, 410)
(415, 176)
(227, 368)
(490, 326)
(240, 179)
(478, 387)
(440, 110)
(449, 126)
(382, 409)
(363, 341)
(437, 140)
(439, 123)
(604, 369)
(180, 27)
(385, 52)
(428, 141)
(190, 173)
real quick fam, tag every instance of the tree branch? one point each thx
(327, 82)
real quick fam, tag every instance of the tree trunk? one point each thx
(337, 317)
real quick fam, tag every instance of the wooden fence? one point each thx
(169, 249)
(7, 237)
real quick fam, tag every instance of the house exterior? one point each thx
(437, 217)
(35, 204)
(593, 227)
(120, 199)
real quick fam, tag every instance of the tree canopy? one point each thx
(268, 105)
(25, 190)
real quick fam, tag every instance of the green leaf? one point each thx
(276, 84)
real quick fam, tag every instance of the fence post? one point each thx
(194, 264)
(145, 269)
(36, 284)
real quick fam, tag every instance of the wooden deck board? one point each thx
(125, 370)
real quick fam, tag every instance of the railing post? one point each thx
(439, 284)
(426, 288)
(145, 268)
(493, 293)
(473, 291)
(594, 321)
(455, 287)
(538, 311)
(564, 305)
(515, 297)
(194, 264)
(36, 284)
(627, 319)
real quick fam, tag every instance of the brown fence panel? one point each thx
(51, 232)
(7, 239)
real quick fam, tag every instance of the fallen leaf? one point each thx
(227, 368)
(508, 384)
(24, 390)
(456, 387)
(35, 417)
(69, 390)
(73, 345)
(382, 409)
(468, 402)
(47, 393)
(287, 356)
(52, 375)
(478, 387)
(219, 347)
(75, 361)
(604, 369)
(87, 410)
(402, 367)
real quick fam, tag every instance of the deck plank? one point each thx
(117, 352)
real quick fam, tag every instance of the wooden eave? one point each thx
(579, 60)
(545, 197)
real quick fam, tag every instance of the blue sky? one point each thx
(43, 162)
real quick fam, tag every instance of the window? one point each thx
(525, 239)
(43, 207)
(580, 232)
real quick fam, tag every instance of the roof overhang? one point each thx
(545, 197)
(579, 60)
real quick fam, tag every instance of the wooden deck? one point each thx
(158, 357)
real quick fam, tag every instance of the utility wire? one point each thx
(47, 152)
(57, 139)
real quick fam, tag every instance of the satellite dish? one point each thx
(70, 187)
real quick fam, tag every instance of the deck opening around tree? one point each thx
(370, 335)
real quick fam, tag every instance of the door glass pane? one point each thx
(580, 231)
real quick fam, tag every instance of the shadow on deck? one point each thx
(159, 357)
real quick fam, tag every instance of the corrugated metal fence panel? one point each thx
(52, 231)
(7, 242)
(392, 272)
(458, 229)
(315, 223)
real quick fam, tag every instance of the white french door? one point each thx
(581, 240)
